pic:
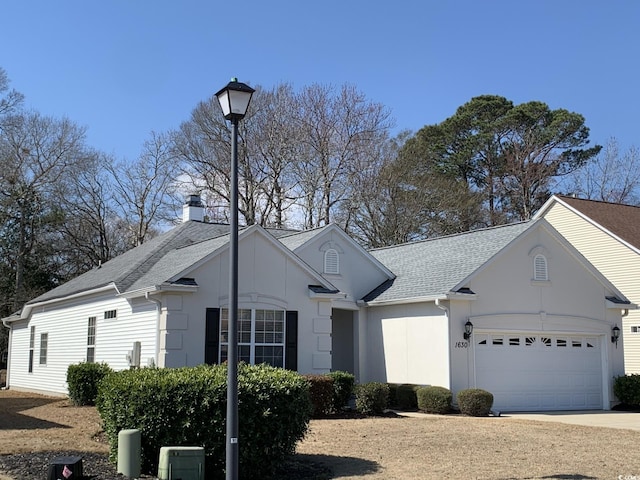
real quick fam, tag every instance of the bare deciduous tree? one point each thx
(37, 152)
(142, 190)
(610, 177)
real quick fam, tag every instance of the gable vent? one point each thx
(331, 263)
(540, 268)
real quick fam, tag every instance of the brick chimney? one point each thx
(193, 209)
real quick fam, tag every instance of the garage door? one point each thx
(536, 372)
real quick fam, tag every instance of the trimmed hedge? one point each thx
(434, 400)
(372, 398)
(82, 381)
(187, 406)
(343, 384)
(627, 389)
(321, 391)
(393, 394)
(407, 397)
(475, 402)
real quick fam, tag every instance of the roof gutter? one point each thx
(164, 287)
(26, 310)
(451, 295)
(402, 301)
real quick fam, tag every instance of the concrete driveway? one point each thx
(591, 418)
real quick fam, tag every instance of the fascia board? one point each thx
(26, 311)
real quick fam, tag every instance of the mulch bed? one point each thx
(96, 466)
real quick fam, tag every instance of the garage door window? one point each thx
(534, 341)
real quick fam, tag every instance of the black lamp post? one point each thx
(234, 100)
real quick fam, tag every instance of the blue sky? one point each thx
(125, 68)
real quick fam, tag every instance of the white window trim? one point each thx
(32, 344)
(91, 339)
(44, 348)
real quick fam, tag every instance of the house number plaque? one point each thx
(462, 345)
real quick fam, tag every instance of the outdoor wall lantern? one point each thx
(468, 330)
(615, 335)
(234, 100)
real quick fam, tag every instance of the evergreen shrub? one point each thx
(627, 389)
(187, 407)
(475, 402)
(343, 384)
(372, 398)
(434, 400)
(406, 397)
(82, 381)
(321, 392)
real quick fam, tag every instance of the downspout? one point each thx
(158, 313)
(6, 384)
(442, 306)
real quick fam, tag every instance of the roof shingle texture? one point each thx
(152, 263)
(432, 268)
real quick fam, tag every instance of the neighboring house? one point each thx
(316, 301)
(608, 235)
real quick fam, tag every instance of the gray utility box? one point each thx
(184, 463)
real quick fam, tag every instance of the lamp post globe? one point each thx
(234, 100)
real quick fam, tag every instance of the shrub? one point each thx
(321, 392)
(627, 389)
(434, 399)
(393, 394)
(343, 383)
(187, 406)
(475, 402)
(406, 397)
(372, 398)
(83, 379)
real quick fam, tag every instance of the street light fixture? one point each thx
(234, 100)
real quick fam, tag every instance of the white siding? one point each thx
(408, 344)
(66, 325)
(619, 263)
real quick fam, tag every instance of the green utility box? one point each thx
(185, 463)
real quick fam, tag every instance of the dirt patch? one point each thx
(429, 447)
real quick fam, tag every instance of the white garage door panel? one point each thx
(539, 371)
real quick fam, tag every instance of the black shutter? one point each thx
(291, 346)
(212, 336)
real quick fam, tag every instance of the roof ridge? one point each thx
(299, 232)
(568, 197)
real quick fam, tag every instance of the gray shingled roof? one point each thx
(428, 268)
(296, 239)
(431, 268)
(154, 262)
(127, 269)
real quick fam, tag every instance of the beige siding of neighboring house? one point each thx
(619, 263)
